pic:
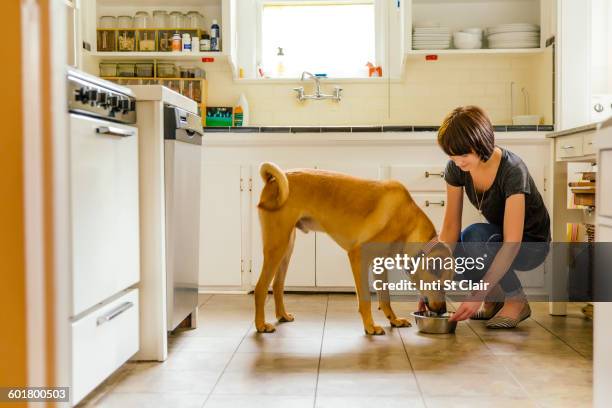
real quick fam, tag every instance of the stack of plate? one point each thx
(520, 35)
(431, 38)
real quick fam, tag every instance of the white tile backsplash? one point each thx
(426, 93)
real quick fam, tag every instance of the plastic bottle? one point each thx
(241, 112)
(186, 42)
(176, 42)
(215, 36)
(280, 63)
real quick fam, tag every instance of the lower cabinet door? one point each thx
(301, 271)
(102, 341)
(220, 225)
(333, 266)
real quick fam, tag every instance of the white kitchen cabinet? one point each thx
(102, 341)
(231, 235)
(221, 254)
(332, 264)
(301, 272)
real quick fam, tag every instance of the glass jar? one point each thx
(125, 22)
(176, 20)
(126, 40)
(195, 20)
(160, 19)
(108, 23)
(142, 20)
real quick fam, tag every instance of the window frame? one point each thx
(380, 18)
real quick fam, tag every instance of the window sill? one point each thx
(263, 81)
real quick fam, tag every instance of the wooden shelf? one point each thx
(150, 55)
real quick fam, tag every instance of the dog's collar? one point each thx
(430, 245)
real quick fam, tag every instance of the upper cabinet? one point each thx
(436, 21)
(115, 29)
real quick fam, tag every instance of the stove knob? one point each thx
(81, 95)
(598, 107)
(92, 95)
(102, 99)
(113, 101)
(125, 104)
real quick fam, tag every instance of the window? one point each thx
(337, 38)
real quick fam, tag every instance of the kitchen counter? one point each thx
(580, 129)
(356, 136)
(362, 129)
(162, 93)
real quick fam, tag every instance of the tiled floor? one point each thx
(323, 359)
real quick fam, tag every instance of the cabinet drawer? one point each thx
(432, 204)
(588, 146)
(568, 146)
(420, 177)
(102, 341)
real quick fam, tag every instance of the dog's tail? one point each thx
(271, 173)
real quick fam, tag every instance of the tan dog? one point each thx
(353, 212)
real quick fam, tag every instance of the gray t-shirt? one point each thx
(512, 177)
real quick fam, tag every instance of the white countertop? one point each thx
(165, 95)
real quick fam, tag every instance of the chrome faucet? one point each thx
(318, 95)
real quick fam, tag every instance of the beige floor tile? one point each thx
(366, 375)
(213, 362)
(267, 383)
(153, 378)
(578, 400)
(403, 401)
(458, 383)
(258, 401)
(219, 328)
(500, 345)
(211, 344)
(150, 400)
(273, 363)
(363, 344)
(479, 402)
(269, 343)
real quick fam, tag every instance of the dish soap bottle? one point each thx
(280, 63)
(241, 112)
(215, 35)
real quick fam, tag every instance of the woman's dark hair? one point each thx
(465, 130)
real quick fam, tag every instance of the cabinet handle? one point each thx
(428, 203)
(439, 174)
(113, 131)
(589, 143)
(114, 313)
(567, 147)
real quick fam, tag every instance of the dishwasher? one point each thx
(182, 173)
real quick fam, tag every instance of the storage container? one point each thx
(160, 19)
(125, 22)
(106, 40)
(142, 20)
(166, 70)
(108, 69)
(144, 70)
(108, 23)
(195, 20)
(176, 20)
(126, 40)
(126, 70)
(146, 40)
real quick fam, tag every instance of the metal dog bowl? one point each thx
(433, 323)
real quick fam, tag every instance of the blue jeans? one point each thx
(484, 238)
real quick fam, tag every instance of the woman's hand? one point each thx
(465, 311)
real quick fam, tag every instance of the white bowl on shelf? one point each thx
(462, 45)
(526, 120)
(474, 30)
(466, 40)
